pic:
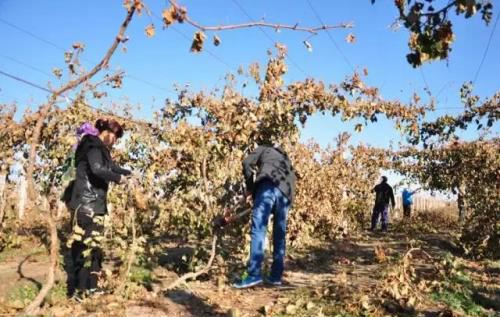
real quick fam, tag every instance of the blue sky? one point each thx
(165, 59)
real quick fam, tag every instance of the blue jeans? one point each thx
(268, 199)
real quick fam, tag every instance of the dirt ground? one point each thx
(352, 262)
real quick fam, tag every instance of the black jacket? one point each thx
(383, 195)
(273, 164)
(94, 170)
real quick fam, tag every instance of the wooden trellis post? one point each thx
(22, 190)
(3, 179)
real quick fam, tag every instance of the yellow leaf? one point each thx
(234, 312)
(365, 302)
(411, 301)
(380, 254)
(342, 278)
(77, 230)
(150, 30)
(169, 16)
(291, 309)
(140, 200)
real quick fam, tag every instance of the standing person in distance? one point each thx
(383, 196)
(273, 190)
(95, 169)
(407, 196)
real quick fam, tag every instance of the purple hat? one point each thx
(86, 128)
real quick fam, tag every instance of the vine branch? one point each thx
(108, 79)
(295, 27)
(445, 9)
(277, 26)
(34, 306)
(45, 109)
(131, 253)
(194, 275)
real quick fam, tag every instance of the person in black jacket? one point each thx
(95, 169)
(383, 195)
(270, 179)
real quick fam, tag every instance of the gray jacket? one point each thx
(273, 164)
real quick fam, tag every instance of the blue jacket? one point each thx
(407, 197)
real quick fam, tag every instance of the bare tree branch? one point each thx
(68, 86)
(194, 275)
(277, 26)
(313, 30)
(34, 306)
(451, 4)
(131, 256)
(3, 187)
(108, 79)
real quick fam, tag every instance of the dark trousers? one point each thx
(86, 267)
(381, 211)
(407, 211)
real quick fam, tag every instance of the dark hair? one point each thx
(109, 125)
(384, 179)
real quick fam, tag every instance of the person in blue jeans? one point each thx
(270, 179)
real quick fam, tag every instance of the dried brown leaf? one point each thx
(198, 40)
(216, 40)
(350, 38)
(150, 30)
(169, 16)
